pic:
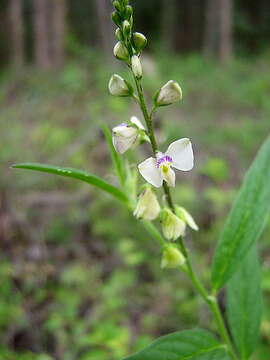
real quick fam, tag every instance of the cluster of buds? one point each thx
(130, 44)
(157, 170)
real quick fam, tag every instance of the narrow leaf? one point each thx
(75, 174)
(184, 345)
(246, 220)
(245, 304)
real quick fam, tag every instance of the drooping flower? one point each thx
(136, 66)
(179, 155)
(170, 93)
(126, 134)
(172, 257)
(147, 207)
(172, 226)
(186, 217)
(119, 87)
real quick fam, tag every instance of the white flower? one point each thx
(172, 257)
(169, 93)
(125, 135)
(120, 51)
(118, 86)
(147, 207)
(136, 66)
(188, 219)
(179, 155)
(172, 226)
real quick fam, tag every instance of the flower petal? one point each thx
(122, 144)
(182, 154)
(149, 171)
(169, 176)
(137, 122)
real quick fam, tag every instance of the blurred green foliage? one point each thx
(79, 277)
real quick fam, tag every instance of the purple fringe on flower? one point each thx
(163, 159)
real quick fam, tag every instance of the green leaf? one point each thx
(245, 304)
(184, 345)
(75, 174)
(117, 160)
(246, 220)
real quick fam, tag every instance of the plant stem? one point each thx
(210, 300)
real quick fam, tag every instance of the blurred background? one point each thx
(79, 278)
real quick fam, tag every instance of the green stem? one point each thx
(211, 301)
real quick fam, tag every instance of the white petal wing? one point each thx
(122, 144)
(137, 122)
(182, 154)
(149, 171)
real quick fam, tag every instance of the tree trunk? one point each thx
(210, 28)
(226, 36)
(57, 32)
(41, 34)
(105, 27)
(17, 32)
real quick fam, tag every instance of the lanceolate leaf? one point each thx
(245, 304)
(184, 345)
(75, 174)
(246, 219)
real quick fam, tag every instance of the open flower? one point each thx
(172, 226)
(147, 207)
(125, 135)
(179, 155)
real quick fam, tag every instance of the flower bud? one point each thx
(117, 5)
(120, 51)
(139, 41)
(169, 93)
(186, 217)
(172, 226)
(126, 27)
(172, 257)
(136, 66)
(119, 87)
(118, 34)
(128, 12)
(116, 18)
(147, 207)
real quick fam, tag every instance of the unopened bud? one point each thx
(136, 66)
(120, 51)
(139, 41)
(116, 18)
(118, 34)
(117, 5)
(172, 257)
(147, 207)
(119, 87)
(128, 12)
(172, 226)
(126, 27)
(169, 93)
(186, 217)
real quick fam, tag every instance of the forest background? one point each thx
(79, 279)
